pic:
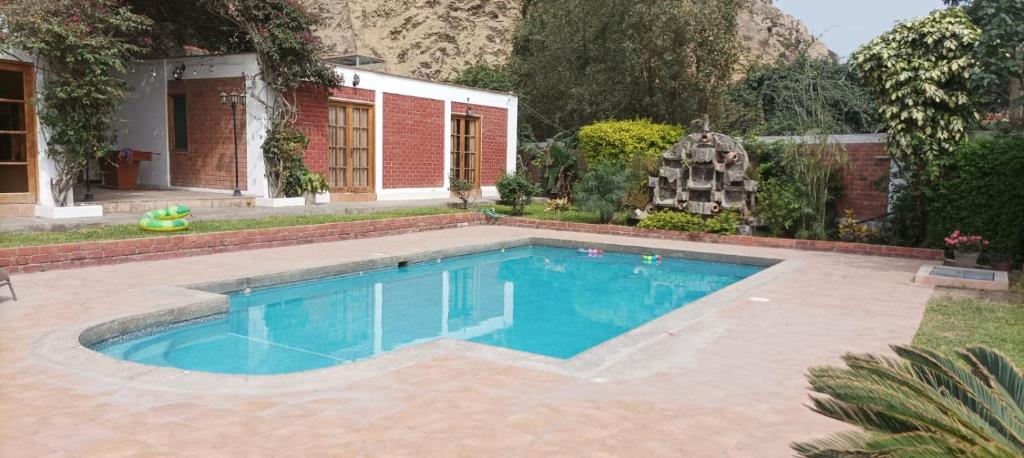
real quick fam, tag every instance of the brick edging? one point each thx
(84, 254)
(766, 242)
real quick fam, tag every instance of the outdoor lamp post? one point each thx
(233, 99)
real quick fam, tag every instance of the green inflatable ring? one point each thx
(170, 213)
(168, 219)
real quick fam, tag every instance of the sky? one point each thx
(844, 25)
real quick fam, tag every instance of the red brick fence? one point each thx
(85, 254)
(766, 242)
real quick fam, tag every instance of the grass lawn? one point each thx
(131, 231)
(995, 320)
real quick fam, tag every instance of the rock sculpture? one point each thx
(705, 174)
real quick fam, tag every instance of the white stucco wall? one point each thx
(143, 120)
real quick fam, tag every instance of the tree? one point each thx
(485, 76)
(800, 96)
(920, 72)
(1000, 51)
(923, 404)
(669, 60)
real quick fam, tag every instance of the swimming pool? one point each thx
(556, 302)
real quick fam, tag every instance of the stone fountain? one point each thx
(705, 173)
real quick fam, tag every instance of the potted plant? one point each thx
(314, 186)
(966, 248)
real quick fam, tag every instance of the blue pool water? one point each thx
(549, 301)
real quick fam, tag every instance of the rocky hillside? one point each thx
(435, 38)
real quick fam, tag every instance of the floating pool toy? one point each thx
(591, 252)
(169, 219)
(650, 258)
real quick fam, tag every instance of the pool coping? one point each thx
(68, 347)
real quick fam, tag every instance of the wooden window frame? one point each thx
(171, 145)
(31, 147)
(478, 134)
(348, 106)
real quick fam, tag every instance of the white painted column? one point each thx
(512, 133)
(447, 144)
(378, 140)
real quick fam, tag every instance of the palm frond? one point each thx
(920, 404)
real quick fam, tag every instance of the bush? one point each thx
(619, 142)
(461, 188)
(800, 184)
(601, 190)
(983, 195)
(516, 191)
(673, 221)
(724, 223)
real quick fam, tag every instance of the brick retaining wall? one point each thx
(85, 254)
(766, 242)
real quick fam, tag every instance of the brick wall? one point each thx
(311, 101)
(703, 237)
(413, 151)
(494, 133)
(866, 181)
(87, 254)
(209, 162)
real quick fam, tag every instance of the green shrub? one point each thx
(778, 205)
(516, 191)
(983, 195)
(461, 188)
(724, 223)
(619, 142)
(673, 221)
(601, 190)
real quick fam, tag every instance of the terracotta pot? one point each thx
(965, 259)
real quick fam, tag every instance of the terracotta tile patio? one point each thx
(731, 383)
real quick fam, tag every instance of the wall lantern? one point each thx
(178, 71)
(355, 80)
(469, 108)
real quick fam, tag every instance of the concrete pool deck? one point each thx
(729, 382)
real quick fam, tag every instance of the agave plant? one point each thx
(922, 404)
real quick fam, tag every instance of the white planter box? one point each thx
(281, 202)
(323, 198)
(81, 211)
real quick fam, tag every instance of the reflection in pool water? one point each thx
(549, 301)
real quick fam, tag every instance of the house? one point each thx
(379, 137)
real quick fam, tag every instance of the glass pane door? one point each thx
(17, 158)
(465, 149)
(360, 149)
(350, 148)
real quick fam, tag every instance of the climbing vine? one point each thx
(81, 46)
